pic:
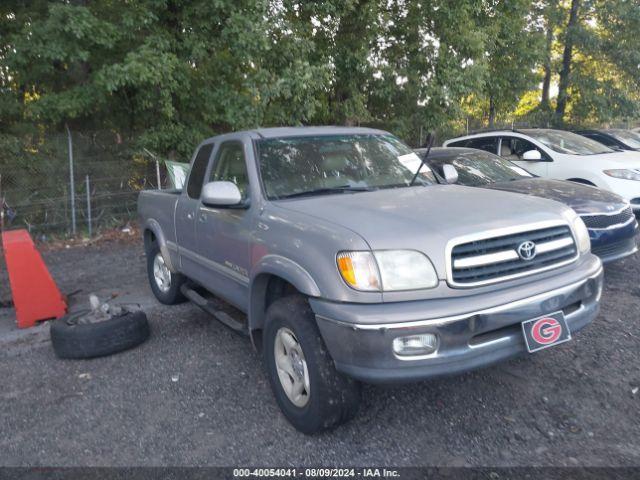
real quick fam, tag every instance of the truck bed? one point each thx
(160, 205)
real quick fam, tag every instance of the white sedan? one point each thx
(565, 156)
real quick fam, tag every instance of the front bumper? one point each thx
(361, 345)
(614, 243)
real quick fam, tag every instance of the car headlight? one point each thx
(623, 173)
(387, 270)
(582, 235)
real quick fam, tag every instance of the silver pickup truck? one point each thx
(352, 264)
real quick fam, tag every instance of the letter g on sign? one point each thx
(546, 331)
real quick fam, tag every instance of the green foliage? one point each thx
(163, 74)
(514, 48)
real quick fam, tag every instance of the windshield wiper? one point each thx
(320, 191)
(423, 160)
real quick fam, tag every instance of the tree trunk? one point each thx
(546, 82)
(567, 56)
(492, 112)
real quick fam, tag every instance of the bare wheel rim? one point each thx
(161, 273)
(292, 367)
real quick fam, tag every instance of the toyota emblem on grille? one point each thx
(527, 250)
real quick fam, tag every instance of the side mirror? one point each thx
(221, 194)
(532, 155)
(450, 173)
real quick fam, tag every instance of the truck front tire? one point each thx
(310, 392)
(165, 284)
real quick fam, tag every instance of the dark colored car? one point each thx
(609, 218)
(616, 138)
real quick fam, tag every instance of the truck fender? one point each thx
(281, 267)
(154, 227)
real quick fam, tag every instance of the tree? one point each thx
(429, 59)
(514, 49)
(570, 34)
(163, 74)
(551, 13)
(598, 73)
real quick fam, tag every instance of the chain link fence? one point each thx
(72, 183)
(69, 183)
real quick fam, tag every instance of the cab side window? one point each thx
(488, 144)
(230, 166)
(198, 169)
(513, 148)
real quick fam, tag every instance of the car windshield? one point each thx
(567, 142)
(627, 137)
(481, 168)
(315, 165)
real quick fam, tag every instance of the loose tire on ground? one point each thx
(168, 296)
(332, 398)
(75, 340)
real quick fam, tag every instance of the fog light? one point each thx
(413, 345)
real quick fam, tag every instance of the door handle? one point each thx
(190, 216)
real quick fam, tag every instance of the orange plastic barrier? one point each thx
(35, 295)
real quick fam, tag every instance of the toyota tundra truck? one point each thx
(350, 263)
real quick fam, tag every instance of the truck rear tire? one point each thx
(165, 284)
(311, 393)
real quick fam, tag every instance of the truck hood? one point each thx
(425, 218)
(584, 199)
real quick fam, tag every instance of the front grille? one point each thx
(494, 259)
(600, 222)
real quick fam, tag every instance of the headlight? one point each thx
(624, 174)
(405, 270)
(387, 270)
(582, 235)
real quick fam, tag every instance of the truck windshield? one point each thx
(320, 165)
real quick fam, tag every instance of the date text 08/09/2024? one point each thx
(316, 472)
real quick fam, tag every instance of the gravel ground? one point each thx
(196, 394)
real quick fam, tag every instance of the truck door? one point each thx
(186, 210)
(223, 233)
